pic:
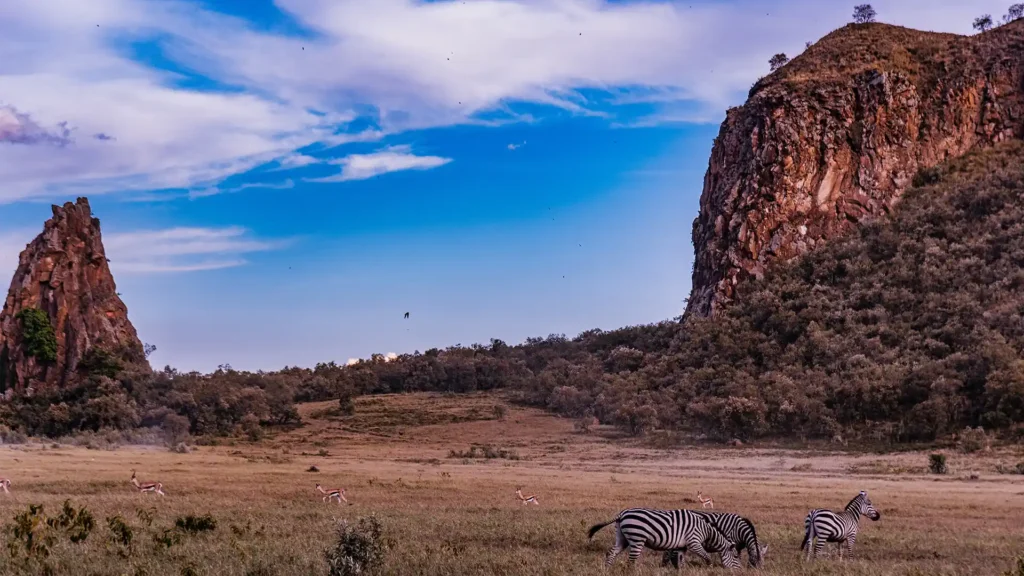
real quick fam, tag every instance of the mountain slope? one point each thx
(834, 137)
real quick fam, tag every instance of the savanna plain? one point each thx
(445, 508)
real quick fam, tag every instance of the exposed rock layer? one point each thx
(835, 137)
(64, 273)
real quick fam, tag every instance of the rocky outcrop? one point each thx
(64, 274)
(833, 139)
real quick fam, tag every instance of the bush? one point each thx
(937, 463)
(1017, 569)
(1003, 469)
(99, 362)
(485, 452)
(8, 436)
(973, 440)
(500, 412)
(175, 429)
(195, 524)
(37, 335)
(359, 549)
(778, 61)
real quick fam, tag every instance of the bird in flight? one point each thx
(406, 314)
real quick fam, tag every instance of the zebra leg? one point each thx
(672, 556)
(620, 543)
(634, 552)
(819, 545)
(849, 545)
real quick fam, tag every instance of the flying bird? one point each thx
(406, 314)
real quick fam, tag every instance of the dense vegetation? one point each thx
(910, 329)
(40, 341)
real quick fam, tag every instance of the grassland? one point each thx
(457, 516)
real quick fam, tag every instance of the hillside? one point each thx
(832, 139)
(909, 329)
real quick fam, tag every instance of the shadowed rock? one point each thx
(64, 274)
(833, 138)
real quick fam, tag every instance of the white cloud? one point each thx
(182, 249)
(65, 76)
(163, 250)
(391, 159)
(514, 146)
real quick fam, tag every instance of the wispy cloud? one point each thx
(413, 63)
(183, 249)
(514, 146)
(391, 159)
(217, 190)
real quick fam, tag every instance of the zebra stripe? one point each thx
(636, 528)
(823, 526)
(735, 528)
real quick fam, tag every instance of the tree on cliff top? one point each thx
(983, 23)
(864, 13)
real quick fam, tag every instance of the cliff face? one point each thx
(64, 274)
(835, 136)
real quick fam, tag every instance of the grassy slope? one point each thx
(448, 516)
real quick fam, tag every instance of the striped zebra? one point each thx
(735, 528)
(636, 528)
(823, 526)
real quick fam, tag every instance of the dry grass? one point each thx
(921, 56)
(450, 517)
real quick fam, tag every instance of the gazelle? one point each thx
(526, 499)
(338, 493)
(156, 487)
(5, 483)
(705, 502)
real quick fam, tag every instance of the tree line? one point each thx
(909, 329)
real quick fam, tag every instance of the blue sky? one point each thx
(279, 182)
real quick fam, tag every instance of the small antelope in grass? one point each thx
(5, 483)
(329, 494)
(705, 502)
(156, 487)
(526, 499)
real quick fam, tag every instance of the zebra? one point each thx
(823, 526)
(734, 527)
(636, 528)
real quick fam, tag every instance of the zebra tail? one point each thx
(596, 528)
(807, 533)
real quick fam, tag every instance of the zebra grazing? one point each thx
(735, 528)
(823, 526)
(636, 528)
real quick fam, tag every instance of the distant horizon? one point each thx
(280, 182)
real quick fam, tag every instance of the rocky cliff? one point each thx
(834, 137)
(62, 304)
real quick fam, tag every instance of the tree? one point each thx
(1016, 12)
(778, 61)
(983, 23)
(863, 14)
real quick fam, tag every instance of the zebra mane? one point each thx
(856, 500)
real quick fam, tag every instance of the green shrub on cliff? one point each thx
(37, 335)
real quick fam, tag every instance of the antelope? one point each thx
(156, 487)
(526, 500)
(331, 493)
(5, 483)
(705, 502)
